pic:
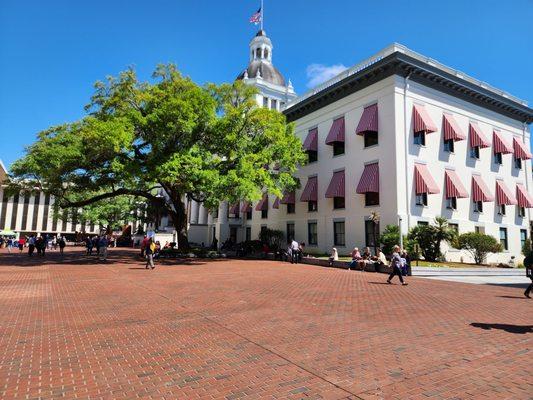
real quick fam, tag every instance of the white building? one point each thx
(411, 139)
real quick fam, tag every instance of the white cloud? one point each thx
(318, 73)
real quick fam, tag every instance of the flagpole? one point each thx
(262, 14)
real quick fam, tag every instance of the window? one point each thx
(249, 214)
(371, 199)
(454, 227)
(266, 53)
(338, 148)
(420, 138)
(264, 214)
(451, 203)
(248, 233)
(449, 145)
(263, 229)
(371, 139)
(523, 238)
(501, 209)
(474, 152)
(290, 230)
(498, 158)
(521, 212)
(480, 229)
(370, 229)
(312, 206)
(503, 238)
(258, 53)
(422, 199)
(478, 206)
(291, 208)
(338, 234)
(273, 104)
(265, 102)
(312, 156)
(312, 233)
(518, 163)
(422, 223)
(338, 202)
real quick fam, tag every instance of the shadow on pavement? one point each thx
(520, 329)
(514, 297)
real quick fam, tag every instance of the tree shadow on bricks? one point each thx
(520, 329)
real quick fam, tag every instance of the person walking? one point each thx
(31, 245)
(103, 243)
(149, 251)
(89, 245)
(528, 263)
(9, 245)
(22, 242)
(295, 249)
(62, 244)
(396, 263)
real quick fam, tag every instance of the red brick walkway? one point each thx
(254, 330)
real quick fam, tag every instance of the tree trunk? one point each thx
(179, 219)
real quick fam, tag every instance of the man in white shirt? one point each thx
(295, 250)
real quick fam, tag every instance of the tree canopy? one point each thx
(207, 143)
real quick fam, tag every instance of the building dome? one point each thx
(267, 72)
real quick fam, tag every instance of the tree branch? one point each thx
(66, 203)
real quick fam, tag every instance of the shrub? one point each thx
(479, 245)
(526, 248)
(430, 237)
(272, 237)
(389, 238)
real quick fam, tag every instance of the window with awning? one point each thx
(499, 144)
(477, 138)
(336, 136)
(288, 198)
(234, 209)
(311, 144)
(520, 150)
(454, 187)
(310, 193)
(336, 185)
(451, 128)
(246, 207)
(422, 122)
(504, 195)
(275, 205)
(263, 203)
(369, 181)
(424, 182)
(523, 198)
(480, 191)
(368, 125)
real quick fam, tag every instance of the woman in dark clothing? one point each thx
(396, 263)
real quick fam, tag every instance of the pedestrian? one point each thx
(334, 256)
(528, 263)
(150, 249)
(295, 248)
(62, 244)
(89, 245)
(144, 243)
(9, 245)
(395, 263)
(96, 243)
(102, 245)
(31, 245)
(22, 242)
(356, 257)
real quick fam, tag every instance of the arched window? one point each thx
(258, 52)
(266, 53)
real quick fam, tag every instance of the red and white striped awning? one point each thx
(369, 181)
(424, 182)
(288, 198)
(452, 131)
(499, 144)
(480, 191)
(336, 132)
(368, 121)
(336, 185)
(477, 139)
(246, 207)
(504, 195)
(263, 203)
(310, 192)
(422, 121)
(234, 209)
(275, 205)
(454, 187)
(311, 141)
(520, 149)
(523, 197)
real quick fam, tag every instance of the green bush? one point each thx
(526, 248)
(272, 237)
(430, 237)
(479, 245)
(389, 238)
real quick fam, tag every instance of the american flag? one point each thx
(256, 17)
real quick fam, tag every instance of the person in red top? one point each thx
(22, 242)
(144, 243)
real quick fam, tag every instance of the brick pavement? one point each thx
(253, 330)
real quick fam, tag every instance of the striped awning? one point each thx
(504, 195)
(368, 121)
(452, 131)
(454, 187)
(336, 133)
(288, 198)
(263, 203)
(477, 139)
(246, 207)
(523, 197)
(422, 121)
(336, 185)
(234, 209)
(424, 182)
(520, 149)
(311, 141)
(275, 205)
(499, 144)
(480, 191)
(310, 192)
(369, 181)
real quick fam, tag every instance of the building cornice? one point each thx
(427, 73)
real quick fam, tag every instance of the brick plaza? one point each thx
(74, 328)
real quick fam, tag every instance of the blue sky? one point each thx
(51, 52)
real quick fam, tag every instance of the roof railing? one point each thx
(393, 48)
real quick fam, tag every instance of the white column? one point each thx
(194, 212)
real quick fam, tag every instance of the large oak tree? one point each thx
(206, 143)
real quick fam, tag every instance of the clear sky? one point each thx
(51, 52)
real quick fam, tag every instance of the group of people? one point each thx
(295, 251)
(98, 244)
(35, 243)
(150, 250)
